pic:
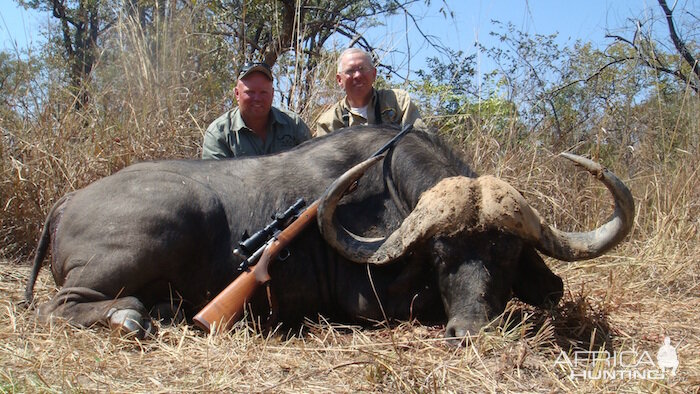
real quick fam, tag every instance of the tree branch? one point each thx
(679, 44)
(59, 11)
(592, 76)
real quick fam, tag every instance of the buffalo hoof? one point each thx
(130, 323)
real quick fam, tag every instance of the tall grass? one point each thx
(153, 95)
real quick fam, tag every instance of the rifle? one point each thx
(229, 306)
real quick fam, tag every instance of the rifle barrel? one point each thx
(393, 141)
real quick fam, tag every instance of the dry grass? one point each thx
(604, 308)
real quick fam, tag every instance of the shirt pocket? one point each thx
(285, 141)
(389, 115)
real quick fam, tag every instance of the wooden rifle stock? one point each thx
(229, 306)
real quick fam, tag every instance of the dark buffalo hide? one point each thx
(156, 238)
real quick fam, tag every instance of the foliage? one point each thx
(447, 87)
(674, 55)
(18, 79)
(80, 25)
(244, 30)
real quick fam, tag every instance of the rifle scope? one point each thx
(251, 244)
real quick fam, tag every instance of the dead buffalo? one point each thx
(420, 237)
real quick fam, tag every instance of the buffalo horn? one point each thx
(462, 205)
(573, 246)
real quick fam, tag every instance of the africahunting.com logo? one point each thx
(625, 364)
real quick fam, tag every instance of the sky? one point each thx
(588, 20)
(18, 28)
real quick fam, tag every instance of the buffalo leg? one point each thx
(86, 307)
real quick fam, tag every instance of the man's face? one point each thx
(254, 95)
(356, 77)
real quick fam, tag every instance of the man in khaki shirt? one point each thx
(356, 75)
(255, 127)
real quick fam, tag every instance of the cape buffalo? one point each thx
(421, 236)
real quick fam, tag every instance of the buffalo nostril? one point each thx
(453, 336)
(457, 331)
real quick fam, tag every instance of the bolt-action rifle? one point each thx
(229, 306)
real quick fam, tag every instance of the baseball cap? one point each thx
(250, 68)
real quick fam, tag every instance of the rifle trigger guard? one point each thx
(273, 313)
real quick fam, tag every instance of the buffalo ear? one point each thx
(534, 282)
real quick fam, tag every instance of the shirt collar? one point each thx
(372, 100)
(238, 124)
(276, 116)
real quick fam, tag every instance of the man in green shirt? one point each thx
(362, 103)
(255, 127)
